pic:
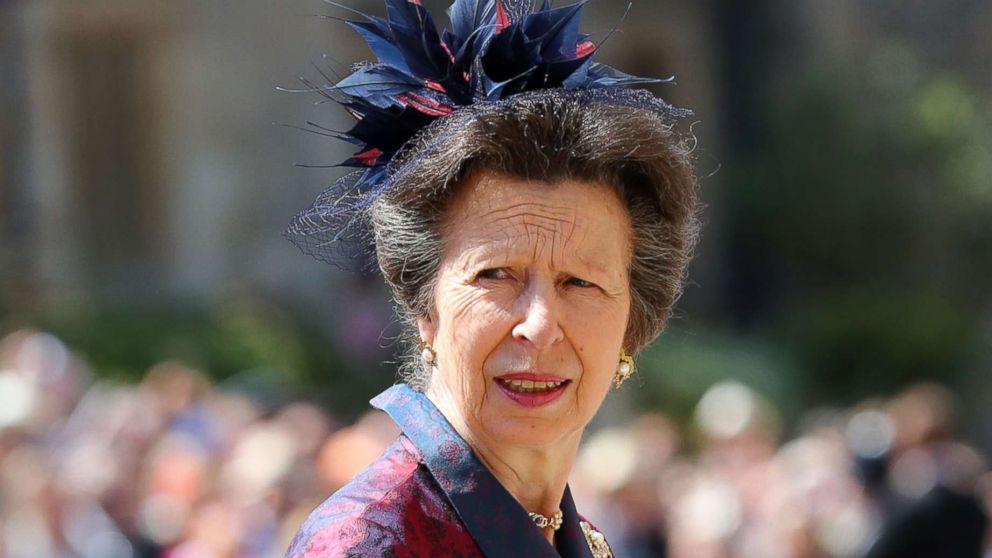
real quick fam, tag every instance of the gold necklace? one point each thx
(554, 521)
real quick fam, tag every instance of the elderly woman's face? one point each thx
(531, 306)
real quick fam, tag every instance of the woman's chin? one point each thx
(532, 420)
(529, 434)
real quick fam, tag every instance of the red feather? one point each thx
(585, 48)
(434, 85)
(447, 50)
(430, 107)
(368, 157)
(502, 20)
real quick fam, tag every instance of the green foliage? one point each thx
(865, 342)
(675, 371)
(232, 336)
(241, 342)
(864, 207)
(244, 342)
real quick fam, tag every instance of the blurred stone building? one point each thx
(142, 157)
(143, 161)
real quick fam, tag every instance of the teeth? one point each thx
(530, 386)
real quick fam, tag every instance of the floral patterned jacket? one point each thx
(428, 495)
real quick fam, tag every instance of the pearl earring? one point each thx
(625, 369)
(427, 352)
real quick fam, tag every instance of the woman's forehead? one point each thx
(496, 215)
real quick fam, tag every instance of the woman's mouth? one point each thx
(531, 392)
(530, 386)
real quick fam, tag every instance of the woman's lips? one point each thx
(532, 389)
(532, 376)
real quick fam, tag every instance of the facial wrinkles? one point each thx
(521, 235)
(464, 301)
(541, 231)
(539, 237)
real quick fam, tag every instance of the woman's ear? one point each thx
(426, 329)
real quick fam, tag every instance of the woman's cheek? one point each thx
(471, 324)
(480, 311)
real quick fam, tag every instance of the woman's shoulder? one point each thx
(343, 520)
(392, 508)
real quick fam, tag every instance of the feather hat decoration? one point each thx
(494, 49)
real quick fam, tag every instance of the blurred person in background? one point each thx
(931, 494)
(627, 498)
(174, 467)
(169, 467)
(533, 220)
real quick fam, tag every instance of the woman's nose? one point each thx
(538, 321)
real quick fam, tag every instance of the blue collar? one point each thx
(497, 522)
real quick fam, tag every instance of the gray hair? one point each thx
(546, 139)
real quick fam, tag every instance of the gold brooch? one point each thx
(596, 540)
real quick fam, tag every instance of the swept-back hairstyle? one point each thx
(545, 139)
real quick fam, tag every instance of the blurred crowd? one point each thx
(885, 479)
(176, 467)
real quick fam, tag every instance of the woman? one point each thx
(533, 220)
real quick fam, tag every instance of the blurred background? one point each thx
(178, 380)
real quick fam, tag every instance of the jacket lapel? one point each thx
(499, 524)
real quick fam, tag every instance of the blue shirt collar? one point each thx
(499, 524)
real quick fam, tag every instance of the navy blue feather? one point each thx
(385, 129)
(417, 38)
(378, 84)
(494, 49)
(468, 15)
(601, 75)
(379, 37)
(556, 30)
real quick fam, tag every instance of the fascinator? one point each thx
(495, 51)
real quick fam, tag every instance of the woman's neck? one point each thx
(535, 477)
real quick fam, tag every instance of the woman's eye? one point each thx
(577, 282)
(494, 273)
